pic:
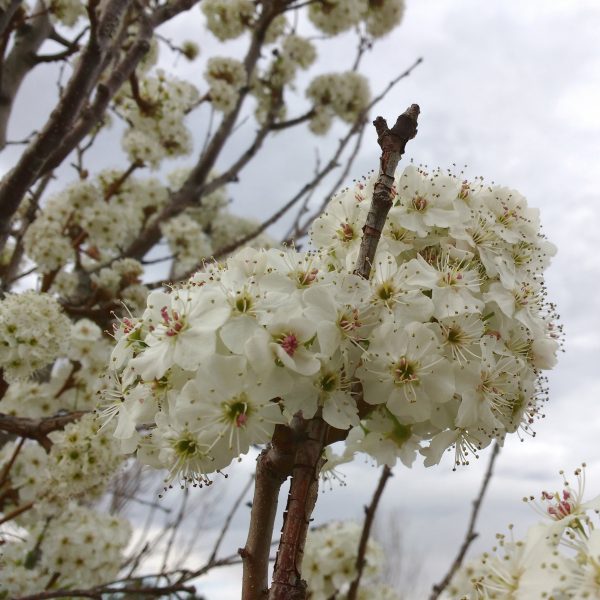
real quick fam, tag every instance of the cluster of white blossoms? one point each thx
(33, 333)
(335, 16)
(76, 548)
(78, 465)
(73, 381)
(155, 113)
(343, 95)
(225, 77)
(559, 557)
(441, 348)
(329, 563)
(228, 19)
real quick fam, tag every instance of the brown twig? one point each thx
(273, 467)
(16, 512)
(298, 231)
(196, 183)
(470, 534)
(287, 574)
(11, 461)
(99, 592)
(89, 68)
(228, 518)
(174, 526)
(37, 429)
(392, 143)
(116, 185)
(370, 511)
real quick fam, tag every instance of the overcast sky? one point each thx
(510, 88)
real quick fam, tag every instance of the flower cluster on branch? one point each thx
(442, 347)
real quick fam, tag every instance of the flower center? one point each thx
(289, 343)
(307, 277)
(186, 447)
(349, 321)
(237, 411)
(328, 382)
(386, 291)
(404, 371)
(345, 232)
(562, 507)
(243, 303)
(172, 321)
(419, 203)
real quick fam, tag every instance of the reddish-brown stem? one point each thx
(287, 574)
(273, 467)
(393, 143)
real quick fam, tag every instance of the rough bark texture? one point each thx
(273, 467)
(393, 143)
(287, 574)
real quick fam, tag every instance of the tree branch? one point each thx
(37, 429)
(89, 68)
(392, 143)
(370, 511)
(92, 114)
(471, 534)
(20, 61)
(195, 185)
(273, 467)
(287, 574)
(99, 592)
(228, 518)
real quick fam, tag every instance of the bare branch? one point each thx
(98, 592)
(470, 534)
(228, 518)
(89, 67)
(370, 511)
(298, 231)
(273, 467)
(91, 115)
(37, 429)
(195, 185)
(20, 62)
(6, 15)
(287, 581)
(392, 142)
(16, 512)
(11, 461)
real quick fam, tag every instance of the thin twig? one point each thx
(37, 429)
(175, 527)
(393, 143)
(470, 534)
(11, 461)
(370, 511)
(228, 519)
(99, 591)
